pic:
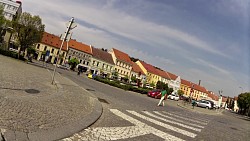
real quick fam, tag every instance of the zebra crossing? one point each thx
(168, 126)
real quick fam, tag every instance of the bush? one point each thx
(117, 84)
(11, 54)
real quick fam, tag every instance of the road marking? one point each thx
(173, 122)
(177, 120)
(184, 132)
(192, 120)
(144, 127)
(140, 128)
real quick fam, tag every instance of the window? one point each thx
(97, 64)
(63, 54)
(93, 63)
(69, 57)
(87, 63)
(45, 48)
(52, 50)
(84, 62)
(38, 45)
(80, 61)
(57, 52)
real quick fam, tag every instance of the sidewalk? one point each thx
(33, 109)
(199, 109)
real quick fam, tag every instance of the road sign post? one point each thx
(69, 27)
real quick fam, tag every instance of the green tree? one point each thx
(152, 84)
(180, 92)
(115, 74)
(133, 79)
(170, 90)
(29, 30)
(244, 103)
(31, 50)
(2, 23)
(126, 78)
(73, 63)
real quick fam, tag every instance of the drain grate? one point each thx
(90, 90)
(32, 91)
(233, 128)
(103, 100)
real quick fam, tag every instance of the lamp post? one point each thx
(220, 100)
(63, 40)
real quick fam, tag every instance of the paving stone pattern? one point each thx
(54, 106)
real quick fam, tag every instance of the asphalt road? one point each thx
(132, 116)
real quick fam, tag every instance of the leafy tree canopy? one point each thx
(73, 63)
(29, 29)
(180, 92)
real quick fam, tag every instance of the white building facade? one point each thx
(11, 8)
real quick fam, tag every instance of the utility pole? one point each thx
(69, 27)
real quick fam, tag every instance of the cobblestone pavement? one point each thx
(33, 109)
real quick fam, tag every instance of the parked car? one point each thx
(205, 104)
(154, 93)
(174, 97)
(65, 67)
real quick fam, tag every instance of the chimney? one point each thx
(199, 82)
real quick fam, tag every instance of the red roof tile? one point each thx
(195, 86)
(80, 46)
(162, 73)
(136, 68)
(187, 83)
(149, 68)
(102, 55)
(213, 96)
(122, 56)
(53, 40)
(172, 76)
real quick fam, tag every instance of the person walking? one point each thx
(163, 96)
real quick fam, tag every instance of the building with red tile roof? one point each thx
(152, 73)
(50, 43)
(80, 51)
(193, 90)
(80, 46)
(123, 64)
(102, 62)
(138, 73)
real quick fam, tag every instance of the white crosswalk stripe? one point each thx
(173, 122)
(184, 132)
(192, 119)
(177, 120)
(168, 126)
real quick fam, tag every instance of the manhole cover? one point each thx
(103, 100)
(32, 91)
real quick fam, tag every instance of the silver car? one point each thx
(204, 103)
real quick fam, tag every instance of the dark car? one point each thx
(154, 93)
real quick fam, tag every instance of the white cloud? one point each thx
(127, 26)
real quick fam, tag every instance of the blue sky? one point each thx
(197, 40)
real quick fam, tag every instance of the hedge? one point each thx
(117, 84)
(11, 54)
